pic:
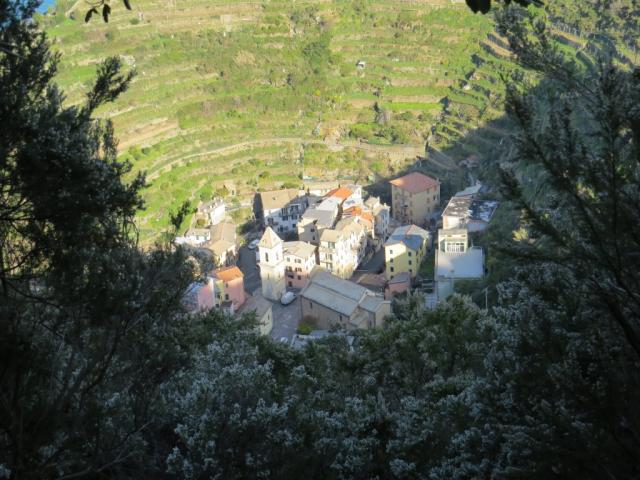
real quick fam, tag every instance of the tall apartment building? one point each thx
(414, 198)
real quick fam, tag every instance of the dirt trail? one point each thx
(391, 150)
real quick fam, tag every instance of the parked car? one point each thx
(253, 244)
(287, 298)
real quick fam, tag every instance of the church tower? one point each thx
(272, 265)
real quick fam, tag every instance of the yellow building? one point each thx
(414, 198)
(404, 250)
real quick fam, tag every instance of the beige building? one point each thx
(271, 248)
(222, 243)
(334, 253)
(299, 261)
(263, 311)
(414, 198)
(330, 301)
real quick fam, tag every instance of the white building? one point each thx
(195, 237)
(456, 260)
(272, 265)
(214, 211)
(281, 209)
(381, 218)
(466, 212)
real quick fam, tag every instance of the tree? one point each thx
(89, 325)
(580, 132)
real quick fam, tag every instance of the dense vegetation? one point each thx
(102, 376)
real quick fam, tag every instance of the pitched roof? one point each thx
(223, 237)
(333, 292)
(330, 235)
(256, 303)
(359, 212)
(340, 192)
(339, 295)
(269, 239)
(299, 249)
(323, 217)
(228, 274)
(415, 182)
(410, 235)
(371, 303)
(402, 277)
(277, 199)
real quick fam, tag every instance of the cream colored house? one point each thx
(262, 309)
(222, 243)
(299, 261)
(335, 254)
(414, 198)
(343, 248)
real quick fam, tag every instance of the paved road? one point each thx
(285, 320)
(375, 264)
(247, 265)
(285, 317)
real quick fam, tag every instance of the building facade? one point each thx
(281, 209)
(272, 263)
(414, 198)
(404, 250)
(299, 261)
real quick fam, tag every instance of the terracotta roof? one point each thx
(415, 182)
(228, 274)
(357, 211)
(341, 192)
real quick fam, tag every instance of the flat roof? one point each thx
(469, 264)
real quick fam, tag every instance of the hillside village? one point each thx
(330, 258)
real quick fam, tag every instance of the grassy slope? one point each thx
(213, 74)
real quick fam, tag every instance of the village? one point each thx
(326, 259)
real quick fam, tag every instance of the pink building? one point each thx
(224, 289)
(232, 288)
(300, 258)
(398, 284)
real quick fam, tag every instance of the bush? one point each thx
(304, 329)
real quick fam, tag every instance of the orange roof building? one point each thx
(415, 182)
(414, 198)
(341, 192)
(228, 274)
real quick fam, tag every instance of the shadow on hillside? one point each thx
(475, 156)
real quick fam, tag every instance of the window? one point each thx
(409, 254)
(409, 262)
(226, 296)
(266, 257)
(391, 269)
(310, 305)
(410, 271)
(390, 252)
(391, 260)
(299, 278)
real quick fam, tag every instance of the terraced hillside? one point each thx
(266, 93)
